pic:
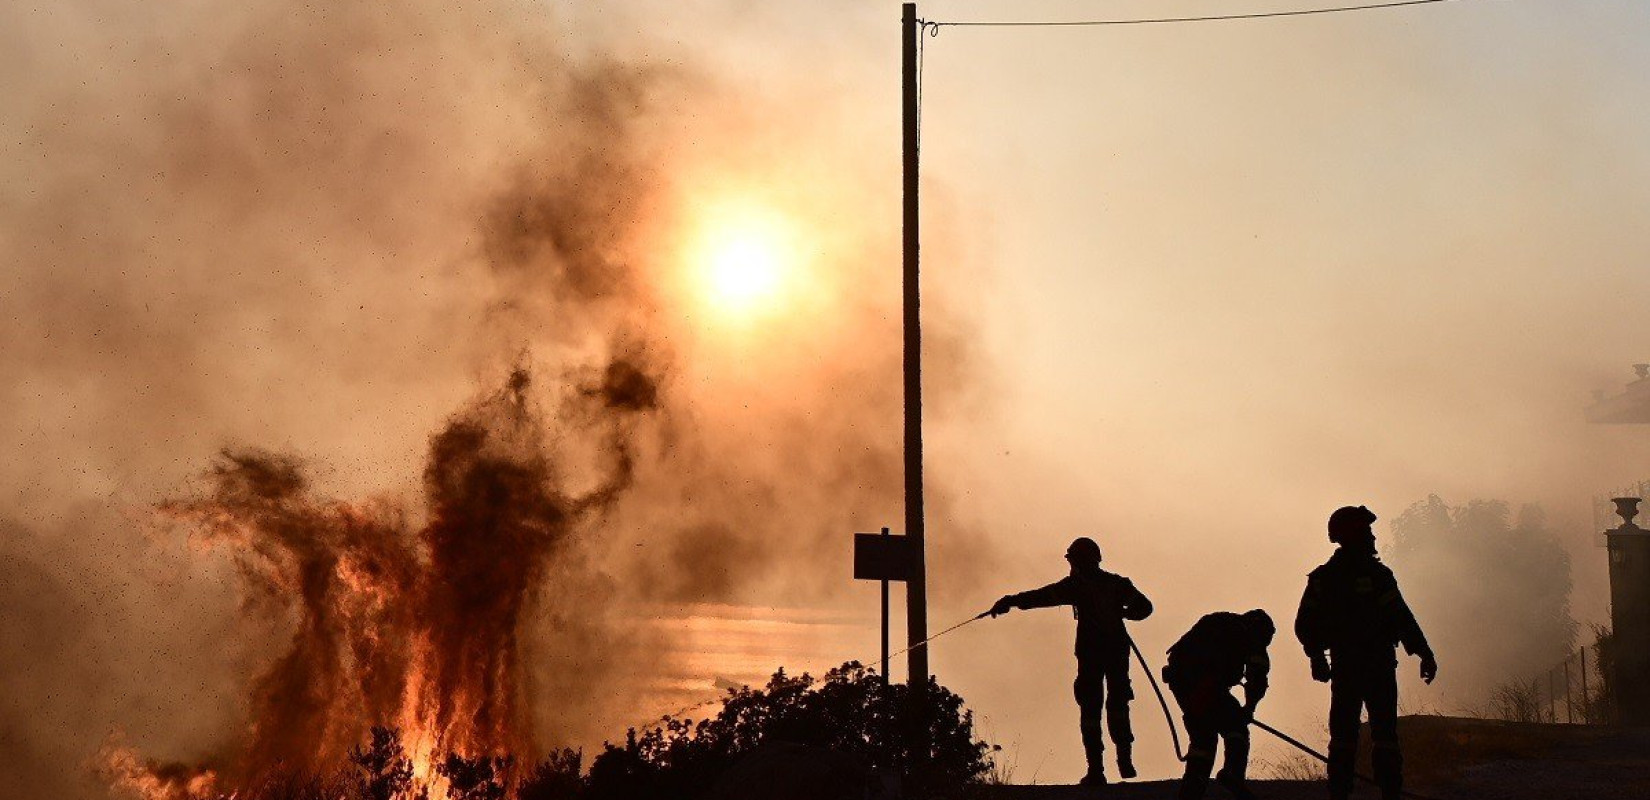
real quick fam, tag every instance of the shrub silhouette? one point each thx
(478, 778)
(385, 769)
(560, 776)
(852, 712)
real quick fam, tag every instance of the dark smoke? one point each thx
(311, 227)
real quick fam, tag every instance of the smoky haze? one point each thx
(269, 275)
(1189, 290)
(1358, 259)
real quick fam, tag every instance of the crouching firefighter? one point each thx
(1352, 619)
(1101, 601)
(1220, 651)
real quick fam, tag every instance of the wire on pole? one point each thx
(933, 26)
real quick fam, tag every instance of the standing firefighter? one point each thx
(1220, 651)
(1351, 620)
(1101, 601)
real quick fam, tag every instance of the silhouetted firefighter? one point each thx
(1101, 601)
(1220, 651)
(1351, 620)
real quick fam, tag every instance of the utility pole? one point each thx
(916, 588)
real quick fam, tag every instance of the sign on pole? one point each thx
(880, 557)
(884, 558)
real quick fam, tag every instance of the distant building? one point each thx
(1632, 406)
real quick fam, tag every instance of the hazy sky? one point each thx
(1205, 284)
(1229, 276)
(1248, 272)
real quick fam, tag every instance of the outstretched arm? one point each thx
(1055, 594)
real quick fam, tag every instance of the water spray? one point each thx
(966, 622)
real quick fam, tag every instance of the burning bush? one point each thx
(419, 626)
(847, 731)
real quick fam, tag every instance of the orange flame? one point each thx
(415, 628)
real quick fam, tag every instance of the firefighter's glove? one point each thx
(1320, 668)
(1002, 607)
(1429, 667)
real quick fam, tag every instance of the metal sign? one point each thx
(880, 557)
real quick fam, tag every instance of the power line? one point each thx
(934, 26)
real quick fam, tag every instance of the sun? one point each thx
(743, 271)
(744, 262)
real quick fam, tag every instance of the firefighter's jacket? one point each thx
(1101, 601)
(1221, 650)
(1352, 609)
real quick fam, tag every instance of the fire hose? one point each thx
(1168, 716)
(969, 621)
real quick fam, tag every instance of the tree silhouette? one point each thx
(560, 776)
(385, 769)
(475, 778)
(1492, 590)
(852, 712)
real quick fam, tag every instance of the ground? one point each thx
(1457, 759)
(1161, 790)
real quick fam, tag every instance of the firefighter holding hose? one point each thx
(1222, 650)
(1101, 601)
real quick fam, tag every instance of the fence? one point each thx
(1576, 691)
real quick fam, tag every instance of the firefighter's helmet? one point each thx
(1261, 622)
(1349, 520)
(1084, 550)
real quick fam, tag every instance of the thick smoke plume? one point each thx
(307, 232)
